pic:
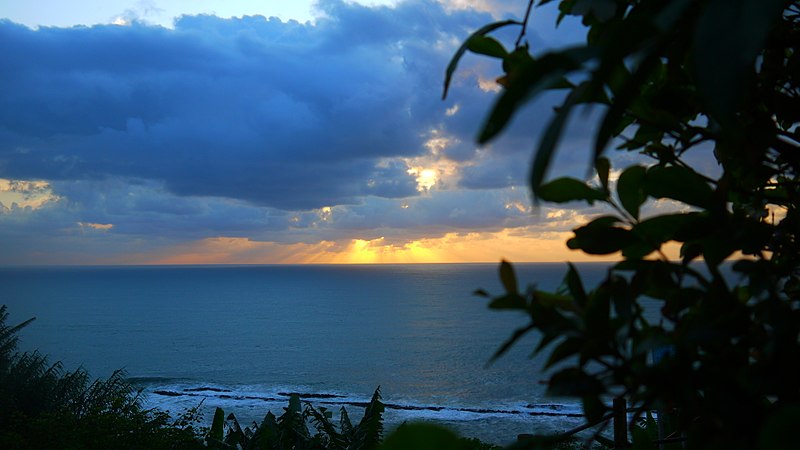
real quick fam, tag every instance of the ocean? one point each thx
(244, 337)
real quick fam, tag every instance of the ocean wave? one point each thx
(230, 397)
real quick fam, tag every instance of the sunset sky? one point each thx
(176, 132)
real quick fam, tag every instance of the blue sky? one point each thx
(246, 132)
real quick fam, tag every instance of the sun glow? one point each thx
(22, 194)
(472, 247)
(426, 178)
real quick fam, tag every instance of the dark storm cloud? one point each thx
(288, 115)
(250, 127)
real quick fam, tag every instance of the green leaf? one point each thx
(562, 190)
(485, 45)
(451, 67)
(678, 183)
(508, 278)
(630, 189)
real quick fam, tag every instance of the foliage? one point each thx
(674, 81)
(290, 430)
(43, 406)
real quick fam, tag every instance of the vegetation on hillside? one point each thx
(674, 82)
(44, 406)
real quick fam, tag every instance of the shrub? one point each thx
(44, 406)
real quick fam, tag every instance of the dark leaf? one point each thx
(593, 408)
(544, 152)
(518, 333)
(574, 382)
(603, 167)
(547, 145)
(718, 247)
(369, 432)
(508, 278)
(510, 301)
(550, 300)
(216, 433)
(630, 189)
(486, 45)
(451, 67)
(575, 285)
(690, 251)
(527, 77)
(659, 229)
(568, 348)
(480, 293)
(597, 316)
(422, 436)
(724, 66)
(601, 237)
(610, 126)
(678, 183)
(563, 190)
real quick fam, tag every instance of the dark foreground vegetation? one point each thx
(44, 406)
(701, 100)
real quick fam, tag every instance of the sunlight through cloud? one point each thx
(21, 194)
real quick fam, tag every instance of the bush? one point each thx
(44, 406)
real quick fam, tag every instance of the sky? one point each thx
(242, 132)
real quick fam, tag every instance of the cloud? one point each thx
(16, 195)
(280, 114)
(96, 226)
(264, 136)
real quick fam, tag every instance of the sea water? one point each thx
(244, 337)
